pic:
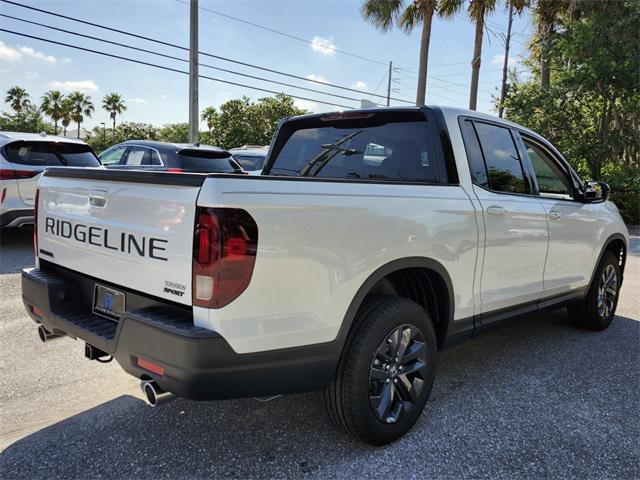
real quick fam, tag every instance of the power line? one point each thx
(171, 57)
(170, 69)
(180, 47)
(284, 34)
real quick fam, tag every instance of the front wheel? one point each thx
(386, 372)
(599, 306)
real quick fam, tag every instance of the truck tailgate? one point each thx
(133, 228)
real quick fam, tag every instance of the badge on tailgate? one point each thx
(108, 302)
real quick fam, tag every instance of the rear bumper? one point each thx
(16, 218)
(198, 364)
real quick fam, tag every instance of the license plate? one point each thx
(108, 302)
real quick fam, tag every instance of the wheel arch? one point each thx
(436, 293)
(617, 244)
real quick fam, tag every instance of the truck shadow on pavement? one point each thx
(538, 397)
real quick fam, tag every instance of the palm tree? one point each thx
(114, 104)
(18, 98)
(546, 14)
(208, 115)
(383, 14)
(66, 112)
(514, 6)
(478, 10)
(82, 107)
(52, 106)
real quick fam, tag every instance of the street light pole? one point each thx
(194, 117)
(104, 131)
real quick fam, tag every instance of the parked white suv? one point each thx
(23, 157)
(372, 240)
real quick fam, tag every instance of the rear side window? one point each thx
(400, 149)
(504, 168)
(55, 154)
(250, 162)
(207, 161)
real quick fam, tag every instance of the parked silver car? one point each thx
(23, 157)
(251, 158)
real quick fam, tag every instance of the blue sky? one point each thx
(160, 97)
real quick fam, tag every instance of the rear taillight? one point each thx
(35, 223)
(224, 254)
(11, 174)
(174, 170)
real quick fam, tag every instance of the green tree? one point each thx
(114, 104)
(383, 14)
(591, 110)
(51, 106)
(28, 119)
(208, 116)
(478, 10)
(18, 98)
(66, 113)
(241, 122)
(82, 107)
(174, 132)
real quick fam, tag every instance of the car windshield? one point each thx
(51, 154)
(208, 161)
(249, 162)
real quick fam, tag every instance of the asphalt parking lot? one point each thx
(536, 398)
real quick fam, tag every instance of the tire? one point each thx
(598, 308)
(368, 374)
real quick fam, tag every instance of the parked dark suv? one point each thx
(173, 157)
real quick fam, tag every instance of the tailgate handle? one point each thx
(97, 200)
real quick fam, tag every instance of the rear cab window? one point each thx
(51, 154)
(400, 146)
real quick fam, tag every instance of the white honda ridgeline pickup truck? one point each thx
(373, 239)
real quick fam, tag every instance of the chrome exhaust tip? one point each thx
(153, 394)
(45, 335)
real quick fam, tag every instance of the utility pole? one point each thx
(389, 84)
(194, 114)
(503, 91)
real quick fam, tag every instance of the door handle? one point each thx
(496, 210)
(555, 215)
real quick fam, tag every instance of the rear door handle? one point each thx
(555, 215)
(496, 210)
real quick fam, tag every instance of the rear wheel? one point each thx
(599, 306)
(386, 372)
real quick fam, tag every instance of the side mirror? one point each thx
(596, 192)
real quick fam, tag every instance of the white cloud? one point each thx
(30, 52)
(498, 59)
(304, 104)
(163, 96)
(81, 85)
(137, 100)
(65, 61)
(359, 85)
(323, 45)
(9, 54)
(31, 75)
(317, 78)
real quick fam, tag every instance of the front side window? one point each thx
(504, 168)
(51, 154)
(113, 156)
(368, 149)
(552, 181)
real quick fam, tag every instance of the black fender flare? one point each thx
(605, 247)
(382, 272)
